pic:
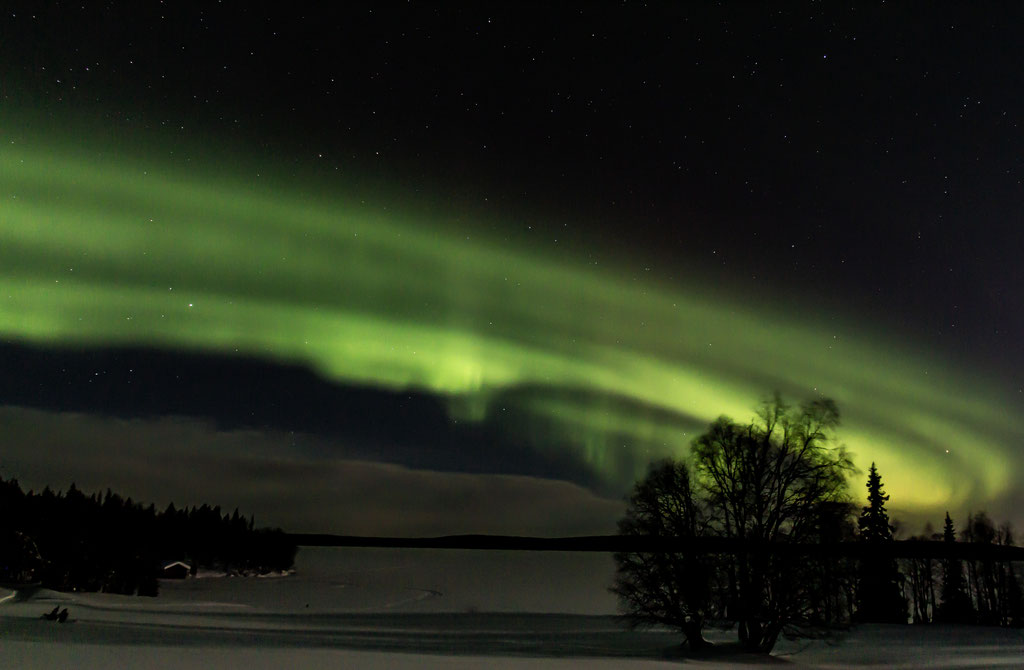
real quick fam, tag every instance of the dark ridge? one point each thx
(709, 545)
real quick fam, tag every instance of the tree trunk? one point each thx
(756, 637)
(694, 638)
(769, 638)
(931, 590)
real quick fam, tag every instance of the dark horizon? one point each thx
(908, 548)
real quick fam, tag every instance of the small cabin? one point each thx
(175, 570)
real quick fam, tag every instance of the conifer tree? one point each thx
(954, 604)
(879, 585)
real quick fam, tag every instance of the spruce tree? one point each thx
(954, 604)
(879, 585)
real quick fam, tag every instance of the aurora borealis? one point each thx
(577, 352)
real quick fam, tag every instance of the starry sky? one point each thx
(415, 269)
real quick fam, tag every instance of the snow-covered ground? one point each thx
(397, 609)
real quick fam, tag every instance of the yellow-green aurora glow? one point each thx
(109, 250)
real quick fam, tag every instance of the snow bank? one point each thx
(424, 609)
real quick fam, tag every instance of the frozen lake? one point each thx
(424, 608)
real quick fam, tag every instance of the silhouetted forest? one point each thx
(981, 590)
(757, 531)
(103, 542)
(856, 572)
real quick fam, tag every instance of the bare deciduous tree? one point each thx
(667, 588)
(781, 478)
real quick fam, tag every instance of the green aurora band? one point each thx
(109, 250)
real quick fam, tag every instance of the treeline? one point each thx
(757, 531)
(103, 542)
(980, 591)
(847, 569)
(939, 586)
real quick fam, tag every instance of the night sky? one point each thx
(413, 269)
